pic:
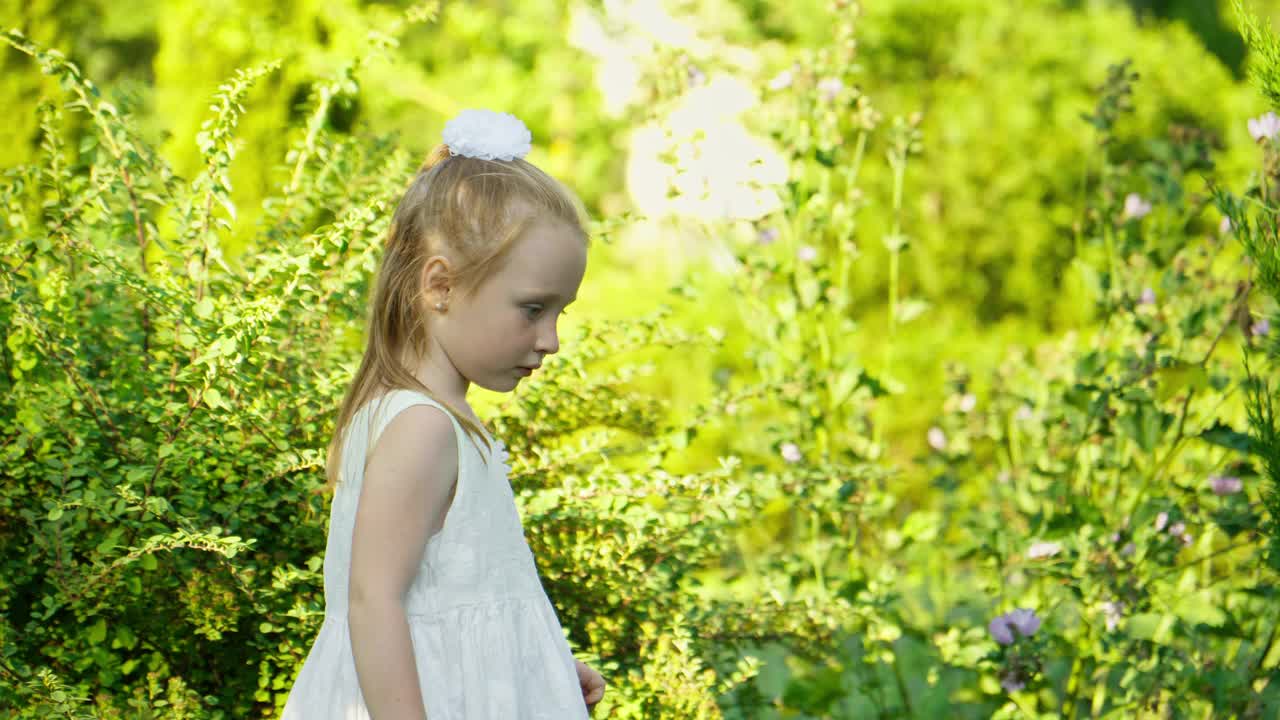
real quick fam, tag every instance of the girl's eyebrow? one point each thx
(550, 296)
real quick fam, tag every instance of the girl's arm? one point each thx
(408, 486)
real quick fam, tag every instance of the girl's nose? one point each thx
(549, 342)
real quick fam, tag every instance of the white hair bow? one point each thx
(487, 135)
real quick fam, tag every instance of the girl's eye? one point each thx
(533, 310)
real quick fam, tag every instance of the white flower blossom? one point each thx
(937, 439)
(781, 81)
(829, 88)
(1265, 126)
(1043, 550)
(1135, 208)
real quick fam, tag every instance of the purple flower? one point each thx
(1025, 621)
(1260, 327)
(1011, 682)
(1225, 484)
(1000, 630)
(937, 439)
(791, 452)
(1022, 620)
(807, 253)
(1148, 297)
(781, 81)
(1128, 550)
(1265, 126)
(829, 88)
(767, 235)
(1135, 208)
(1043, 550)
(1162, 519)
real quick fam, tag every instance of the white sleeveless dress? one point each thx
(486, 639)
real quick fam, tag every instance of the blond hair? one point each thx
(470, 210)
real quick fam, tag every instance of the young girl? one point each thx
(433, 606)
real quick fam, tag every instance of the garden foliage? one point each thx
(1091, 530)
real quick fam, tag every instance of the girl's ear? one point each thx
(437, 276)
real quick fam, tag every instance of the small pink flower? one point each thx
(1260, 327)
(1135, 208)
(1162, 519)
(791, 452)
(829, 88)
(1043, 550)
(1225, 484)
(807, 254)
(1178, 528)
(1148, 297)
(1128, 550)
(767, 236)
(782, 80)
(1265, 126)
(937, 439)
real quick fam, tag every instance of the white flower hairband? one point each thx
(487, 135)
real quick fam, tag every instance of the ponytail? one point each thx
(437, 155)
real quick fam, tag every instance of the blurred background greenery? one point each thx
(992, 202)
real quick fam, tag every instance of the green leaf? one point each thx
(98, 631)
(213, 399)
(1155, 627)
(1225, 436)
(1200, 607)
(1173, 380)
(921, 525)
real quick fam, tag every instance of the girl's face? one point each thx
(508, 326)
